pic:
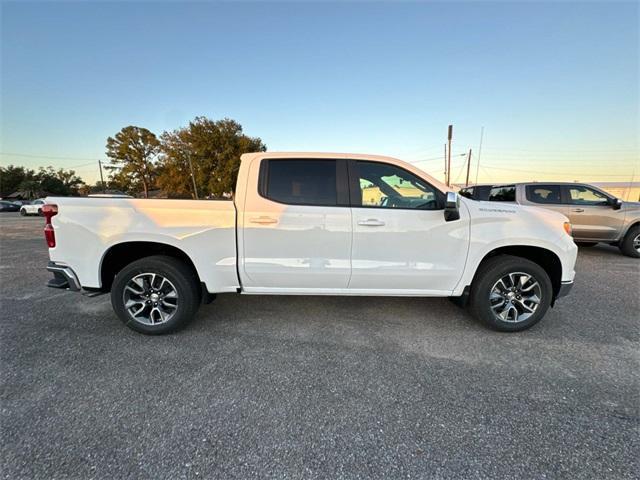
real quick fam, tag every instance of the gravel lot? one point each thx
(315, 387)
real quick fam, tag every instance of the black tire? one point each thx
(627, 244)
(23, 212)
(489, 273)
(40, 211)
(180, 276)
(586, 244)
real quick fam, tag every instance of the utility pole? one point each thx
(449, 137)
(193, 179)
(104, 188)
(479, 154)
(466, 184)
(445, 163)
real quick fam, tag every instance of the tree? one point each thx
(70, 180)
(214, 149)
(58, 182)
(11, 177)
(174, 169)
(34, 184)
(30, 187)
(132, 151)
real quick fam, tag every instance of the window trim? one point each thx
(342, 189)
(356, 193)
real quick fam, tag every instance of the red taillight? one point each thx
(50, 235)
(49, 211)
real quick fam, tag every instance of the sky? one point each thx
(554, 84)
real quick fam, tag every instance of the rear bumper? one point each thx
(63, 277)
(565, 288)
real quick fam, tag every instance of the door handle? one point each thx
(577, 210)
(371, 222)
(263, 220)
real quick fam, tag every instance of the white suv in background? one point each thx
(33, 208)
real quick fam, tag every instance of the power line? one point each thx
(433, 159)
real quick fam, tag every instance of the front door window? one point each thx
(386, 186)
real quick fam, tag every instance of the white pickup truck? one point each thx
(312, 224)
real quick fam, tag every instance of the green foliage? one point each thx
(35, 184)
(214, 148)
(132, 152)
(11, 177)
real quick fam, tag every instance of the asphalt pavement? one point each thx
(316, 387)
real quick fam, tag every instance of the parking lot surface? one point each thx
(316, 387)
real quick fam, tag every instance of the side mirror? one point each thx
(452, 207)
(616, 203)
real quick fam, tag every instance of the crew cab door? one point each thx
(296, 226)
(401, 240)
(591, 214)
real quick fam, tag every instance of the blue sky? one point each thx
(554, 84)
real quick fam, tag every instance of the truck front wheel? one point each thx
(155, 295)
(510, 293)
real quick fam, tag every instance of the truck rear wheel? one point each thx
(510, 293)
(155, 295)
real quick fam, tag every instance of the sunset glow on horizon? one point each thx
(554, 85)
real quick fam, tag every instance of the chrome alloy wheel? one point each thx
(636, 243)
(150, 299)
(515, 297)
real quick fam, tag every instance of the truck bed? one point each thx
(87, 228)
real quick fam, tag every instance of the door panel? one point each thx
(297, 246)
(592, 218)
(408, 249)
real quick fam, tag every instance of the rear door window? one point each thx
(545, 194)
(301, 182)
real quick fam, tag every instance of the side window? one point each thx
(301, 182)
(579, 195)
(467, 192)
(386, 186)
(549, 194)
(505, 193)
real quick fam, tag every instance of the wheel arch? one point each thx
(635, 223)
(122, 254)
(544, 257)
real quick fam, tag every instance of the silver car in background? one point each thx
(595, 215)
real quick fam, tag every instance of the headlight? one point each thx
(568, 229)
